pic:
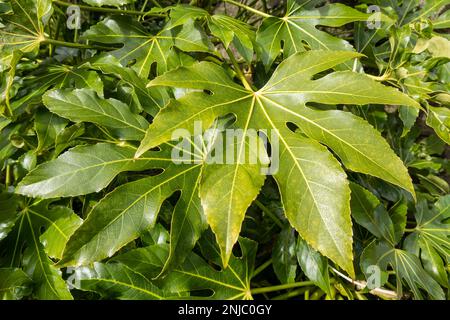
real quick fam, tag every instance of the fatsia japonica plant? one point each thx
(224, 149)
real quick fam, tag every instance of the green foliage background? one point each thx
(356, 94)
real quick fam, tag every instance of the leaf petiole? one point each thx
(282, 287)
(73, 45)
(256, 11)
(8, 176)
(109, 10)
(269, 213)
(238, 70)
(261, 268)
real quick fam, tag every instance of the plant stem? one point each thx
(263, 14)
(269, 213)
(143, 10)
(108, 10)
(238, 70)
(8, 176)
(73, 45)
(282, 287)
(291, 294)
(261, 268)
(156, 3)
(75, 35)
(380, 292)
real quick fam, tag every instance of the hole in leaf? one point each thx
(291, 126)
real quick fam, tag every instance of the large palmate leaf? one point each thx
(129, 276)
(312, 183)
(431, 238)
(24, 247)
(146, 49)
(297, 30)
(141, 200)
(195, 274)
(410, 10)
(23, 29)
(407, 267)
(372, 215)
(131, 209)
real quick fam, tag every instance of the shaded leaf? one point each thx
(196, 274)
(14, 284)
(314, 265)
(284, 256)
(22, 248)
(116, 281)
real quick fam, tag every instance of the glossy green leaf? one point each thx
(195, 273)
(56, 76)
(314, 265)
(8, 81)
(297, 30)
(430, 239)
(67, 137)
(225, 211)
(369, 212)
(284, 256)
(141, 201)
(116, 281)
(152, 100)
(23, 248)
(82, 170)
(23, 30)
(139, 147)
(47, 126)
(58, 232)
(8, 212)
(439, 119)
(14, 284)
(84, 105)
(283, 98)
(226, 28)
(132, 209)
(145, 48)
(406, 266)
